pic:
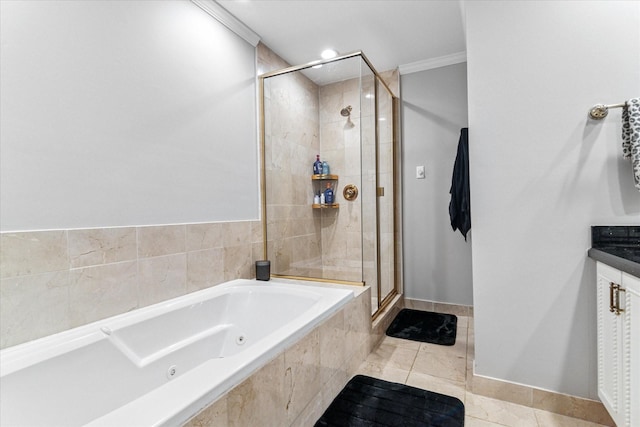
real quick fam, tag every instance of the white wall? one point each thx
(437, 260)
(124, 113)
(541, 175)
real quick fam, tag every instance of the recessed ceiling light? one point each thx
(328, 54)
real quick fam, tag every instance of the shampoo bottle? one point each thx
(325, 168)
(328, 194)
(317, 165)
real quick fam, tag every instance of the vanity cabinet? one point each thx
(618, 305)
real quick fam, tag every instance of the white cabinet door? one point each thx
(609, 341)
(619, 345)
(631, 350)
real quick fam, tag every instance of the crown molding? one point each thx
(429, 64)
(228, 20)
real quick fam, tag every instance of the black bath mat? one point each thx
(424, 326)
(367, 401)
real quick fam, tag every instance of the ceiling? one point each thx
(391, 33)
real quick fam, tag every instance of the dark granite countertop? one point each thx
(617, 246)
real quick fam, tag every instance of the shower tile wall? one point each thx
(51, 281)
(291, 144)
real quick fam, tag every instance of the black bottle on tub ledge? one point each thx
(263, 270)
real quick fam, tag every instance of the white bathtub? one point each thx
(161, 364)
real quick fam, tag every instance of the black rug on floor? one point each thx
(424, 326)
(367, 401)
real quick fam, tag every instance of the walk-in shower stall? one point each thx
(341, 110)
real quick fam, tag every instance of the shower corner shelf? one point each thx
(325, 177)
(325, 206)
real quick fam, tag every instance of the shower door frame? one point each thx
(381, 302)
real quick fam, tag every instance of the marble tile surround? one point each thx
(296, 387)
(291, 143)
(51, 281)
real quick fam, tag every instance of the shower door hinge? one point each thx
(380, 192)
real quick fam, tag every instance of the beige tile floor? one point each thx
(446, 370)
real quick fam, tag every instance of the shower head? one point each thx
(346, 111)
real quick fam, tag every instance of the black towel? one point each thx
(460, 205)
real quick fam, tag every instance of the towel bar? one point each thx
(600, 111)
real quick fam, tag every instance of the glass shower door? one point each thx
(369, 184)
(378, 159)
(386, 194)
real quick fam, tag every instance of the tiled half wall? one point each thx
(51, 281)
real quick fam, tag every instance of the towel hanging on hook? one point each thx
(460, 204)
(631, 137)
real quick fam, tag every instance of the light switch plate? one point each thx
(420, 172)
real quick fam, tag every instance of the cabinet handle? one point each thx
(612, 308)
(619, 289)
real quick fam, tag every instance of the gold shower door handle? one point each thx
(350, 192)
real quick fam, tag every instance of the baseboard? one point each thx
(439, 307)
(537, 398)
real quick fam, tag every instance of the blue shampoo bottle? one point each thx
(317, 166)
(328, 194)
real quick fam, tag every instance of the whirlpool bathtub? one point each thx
(160, 364)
